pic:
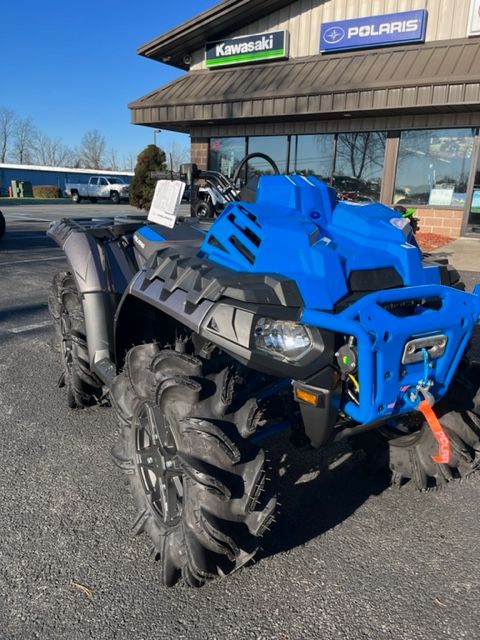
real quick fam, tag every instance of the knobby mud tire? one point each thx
(459, 413)
(65, 305)
(182, 425)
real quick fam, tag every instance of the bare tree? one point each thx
(51, 152)
(24, 137)
(8, 119)
(176, 154)
(112, 161)
(361, 154)
(129, 161)
(92, 149)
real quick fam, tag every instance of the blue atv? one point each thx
(292, 309)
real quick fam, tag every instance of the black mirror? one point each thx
(191, 171)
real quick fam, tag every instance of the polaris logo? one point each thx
(408, 26)
(334, 35)
(261, 46)
(264, 44)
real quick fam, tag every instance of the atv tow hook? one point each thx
(444, 448)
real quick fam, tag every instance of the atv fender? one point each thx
(101, 260)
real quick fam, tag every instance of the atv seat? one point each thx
(149, 239)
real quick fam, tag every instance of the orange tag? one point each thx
(438, 432)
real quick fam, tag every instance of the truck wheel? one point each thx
(65, 305)
(76, 197)
(459, 412)
(2, 224)
(93, 200)
(115, 197)
(199, 486)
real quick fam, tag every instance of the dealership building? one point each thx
(380, 98)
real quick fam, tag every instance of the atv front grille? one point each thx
(407, 308)
(364, 281)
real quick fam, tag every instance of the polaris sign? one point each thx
(262, 46)
(374, 31)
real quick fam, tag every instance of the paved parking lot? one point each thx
(348, 558)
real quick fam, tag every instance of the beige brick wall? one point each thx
(200, 152)
(447, 222)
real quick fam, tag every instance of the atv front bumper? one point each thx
(383, 324)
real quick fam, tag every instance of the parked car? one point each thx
(99, 188)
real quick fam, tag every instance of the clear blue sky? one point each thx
(73, 66)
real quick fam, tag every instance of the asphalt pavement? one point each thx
(348, 558)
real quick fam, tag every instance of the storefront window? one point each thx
(359, 162)
(225, 154)
(312, 155)
(433, 167)
(474, 213)
(274, 146)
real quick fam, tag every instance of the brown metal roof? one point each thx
(442, 76)
(214, 23)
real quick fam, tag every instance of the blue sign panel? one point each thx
(374, 31)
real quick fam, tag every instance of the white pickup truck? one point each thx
(110, 188)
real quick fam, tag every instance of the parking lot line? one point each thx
(13, 262)
(29, 327)
(21, 234)
(19, 217)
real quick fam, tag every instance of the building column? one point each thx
(199, 152)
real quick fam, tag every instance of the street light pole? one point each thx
(155, 131)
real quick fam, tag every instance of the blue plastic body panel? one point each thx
(301, 231)
(297, 228)
(381, 338)
(150, 234)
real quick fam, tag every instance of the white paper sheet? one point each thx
(166, 201)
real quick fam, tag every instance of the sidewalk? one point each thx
(463, 253)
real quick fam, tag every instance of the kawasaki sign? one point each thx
(262, 46)
(374, 31)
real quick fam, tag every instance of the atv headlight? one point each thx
(282, 339)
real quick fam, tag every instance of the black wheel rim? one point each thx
(203, 211)
(158, 464)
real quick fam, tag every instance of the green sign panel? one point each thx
(262, 46)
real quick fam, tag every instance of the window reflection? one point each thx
(274, 146)
(313, 155)
(359, 162)
(225, 154)
(433, 167)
